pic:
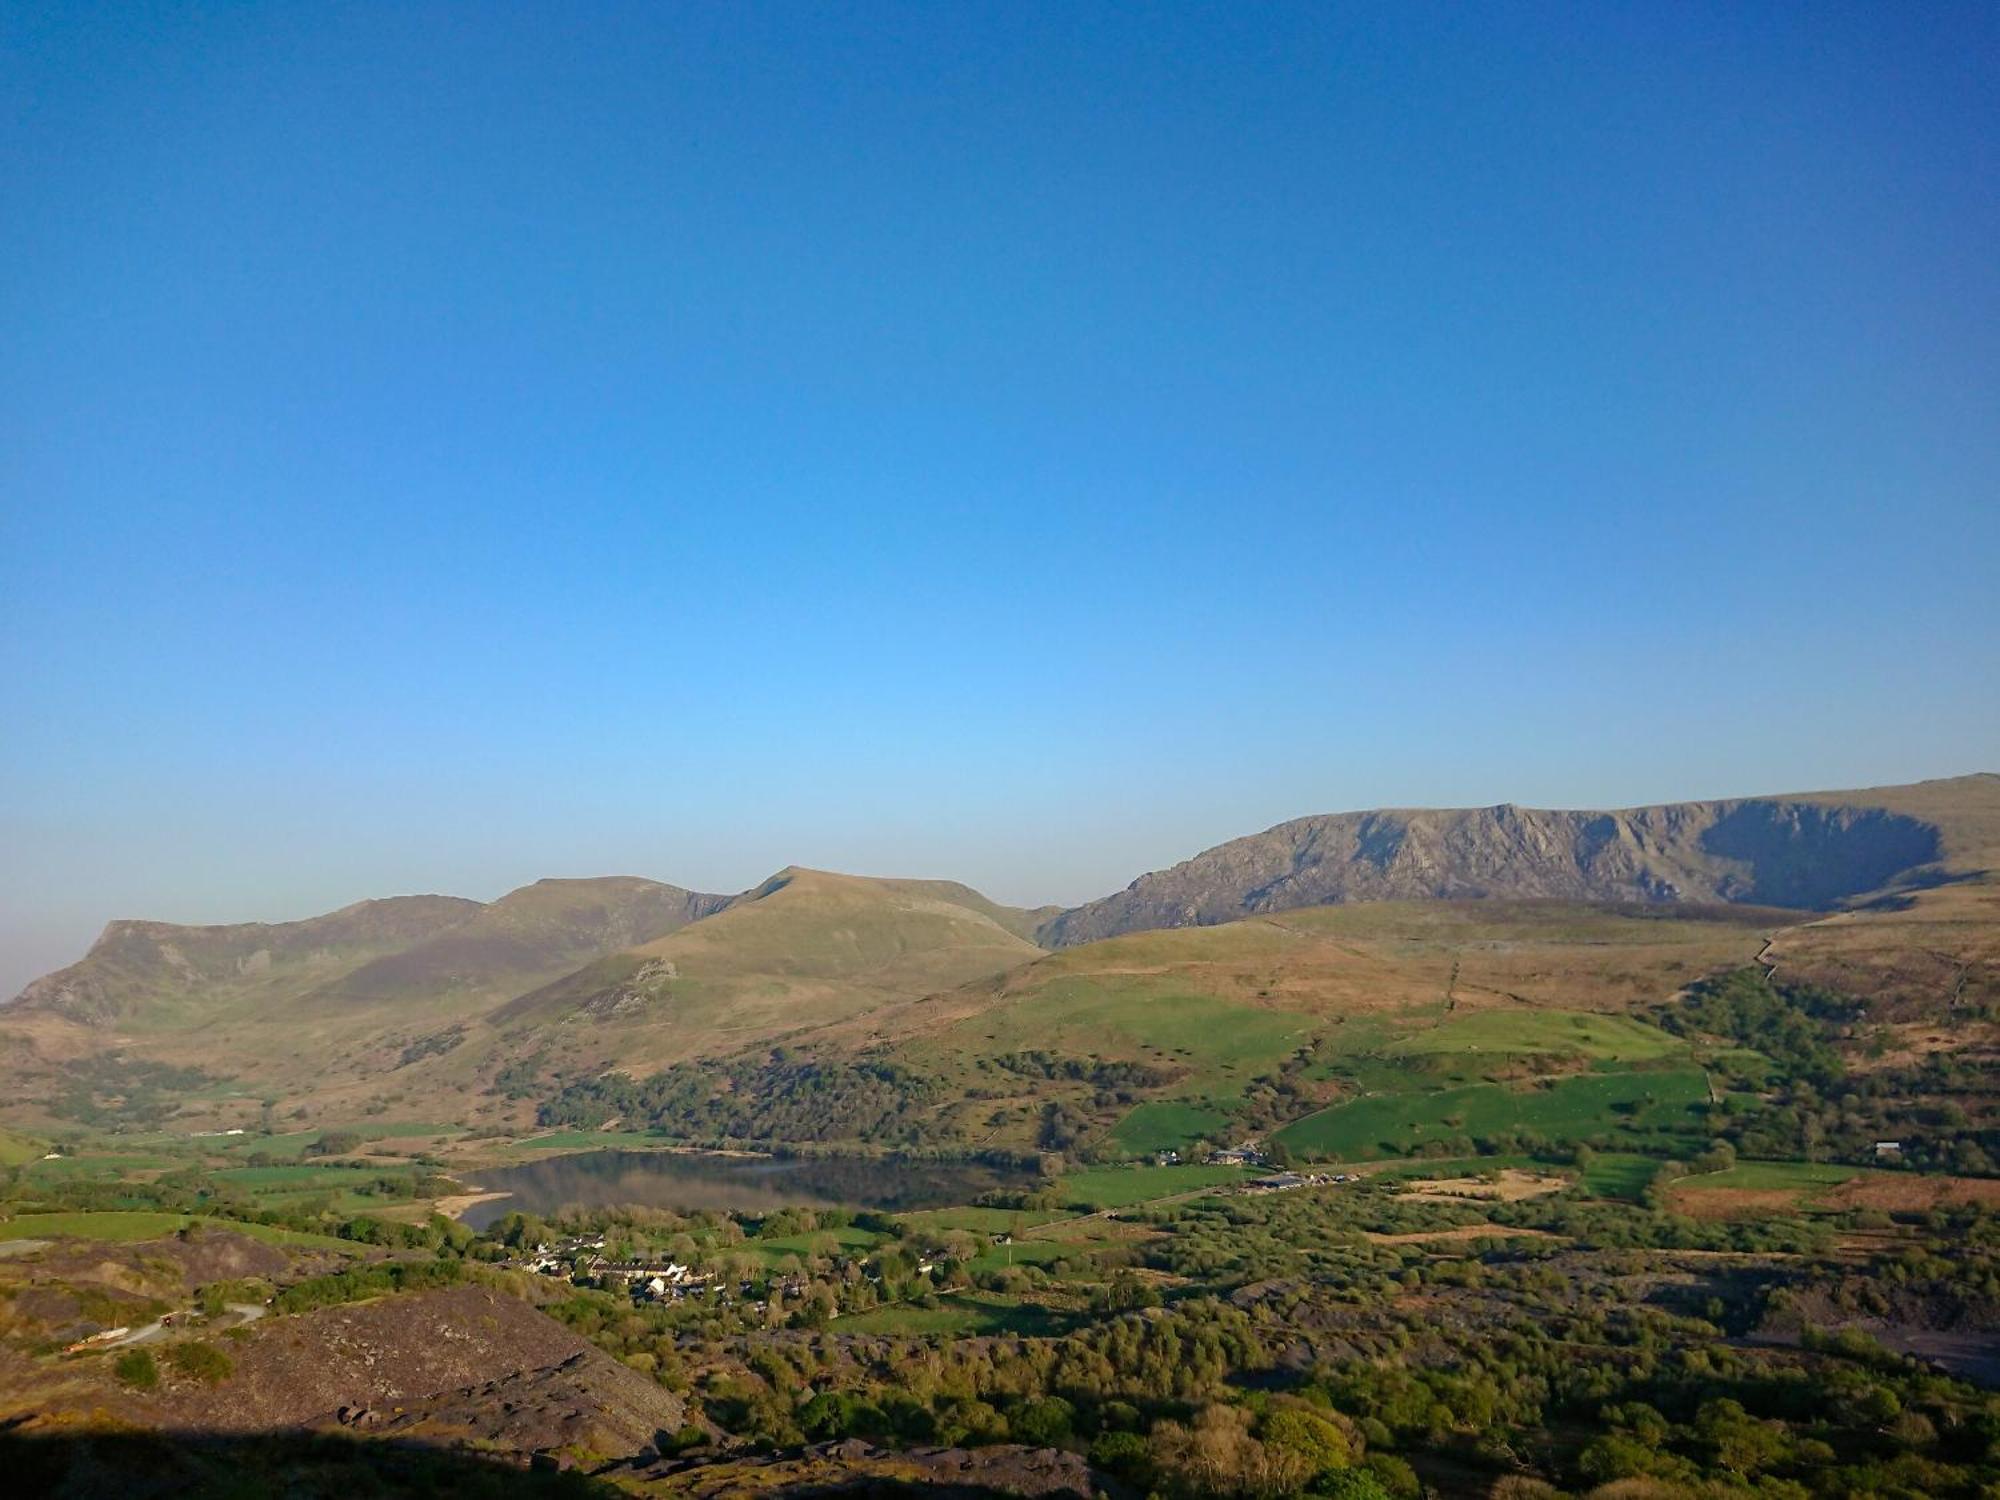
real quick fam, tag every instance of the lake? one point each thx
(688, 1181)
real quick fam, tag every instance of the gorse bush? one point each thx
(135, 1368)
(200, 1361)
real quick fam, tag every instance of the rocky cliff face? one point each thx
(1771, 852)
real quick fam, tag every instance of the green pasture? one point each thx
(1121, 1187)
(1141, 1017)
(1617, 1039)
(66, 1168)
(849, 1241)
(1810, 1182)
(1587, 1105)
(15, 1148)
(1618, 1174)
(1025, 1253)
(978, 1220)
(1167, 1125)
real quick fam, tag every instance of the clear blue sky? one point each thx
(443, 446)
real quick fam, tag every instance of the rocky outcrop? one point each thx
(465, 1365)
(588, 1404)
(1769, 852)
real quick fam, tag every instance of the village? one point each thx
(662, 1278)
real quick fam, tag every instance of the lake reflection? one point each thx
(686, 1182)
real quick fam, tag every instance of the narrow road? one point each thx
(137, 1336)
(247, 1313)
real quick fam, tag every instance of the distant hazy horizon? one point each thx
(1023, 445)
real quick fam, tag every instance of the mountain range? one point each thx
(400, 997)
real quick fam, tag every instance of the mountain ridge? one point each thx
(1803, 850)
(532, 934)
(802, 936)
(575, 946)
(136, 961)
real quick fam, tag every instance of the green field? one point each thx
(64, 1167)
(1766, 1175)
(16, 1148)
(848, 1238)
(1167, 1125)
(1121, 1187)
(123, 1227)
(978, 1220)
(848, 1242)
(1585, 1106)
(1808, 1181)
(1026, 1253)
(1141, 1017)
(957, 1314)
(1556, 1032)
(1614, 1174)
(290, 1185)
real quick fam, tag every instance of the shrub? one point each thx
(1350, 1484)
(1045, 1423)
(135, 1368)
(1319, 1442)
(201, 1361)
(1123, 1453)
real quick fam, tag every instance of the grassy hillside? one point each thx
(1929, 955)
(806, 948)
(529, 983)
(1228, 988)
(1657, 1108)
(529, 937)
(161, 975)
(1151, 1040)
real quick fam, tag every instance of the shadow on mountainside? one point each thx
(143, 1466)
(315, 1466)
(1811, 857)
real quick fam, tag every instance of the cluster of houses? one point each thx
(1229, 1156)
(1248, 1155)
(558, 1257)
(1282, 1182)
(653, 1280)
(647, 1280)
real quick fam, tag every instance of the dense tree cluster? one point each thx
(777, 1098)
(1794, 1026)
